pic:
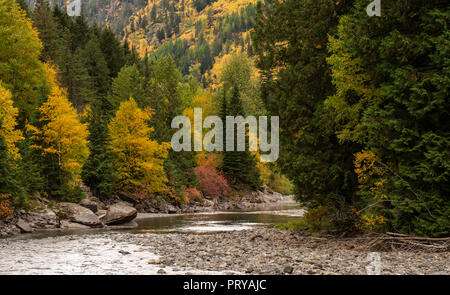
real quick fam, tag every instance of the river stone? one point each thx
(24, 226)
(120, 213)
(88, 203)
(79, 214)
(288, 269)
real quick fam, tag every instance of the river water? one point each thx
(123, 251)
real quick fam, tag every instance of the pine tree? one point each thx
(9, 178)
(290, 40)
(97, 67)
(49, 32)
(392, 96)
(239, 167)
(98, 172)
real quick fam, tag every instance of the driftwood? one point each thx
(402, 242)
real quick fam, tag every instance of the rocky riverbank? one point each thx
(270, 251)
(256, 251)
(120, 211)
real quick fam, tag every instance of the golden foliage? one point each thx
(6, 207)
(138, 159)
(62, 134)
(8, 115)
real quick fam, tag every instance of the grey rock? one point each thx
(161, 271)
(120, 213)
(90, 204)
(79, 214)
(288, 269)
(24, 226)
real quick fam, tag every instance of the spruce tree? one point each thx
(49, 32)
(239, 167)
(392, 95)
(98, 172)
(290, 40)
(9, 178)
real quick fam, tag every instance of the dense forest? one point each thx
(362, 104)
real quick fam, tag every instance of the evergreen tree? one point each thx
(392, 83)
(97, 67)
(290, 39)
(239, 167)
(47, 26)
(98, 172)
(111, 48)
(9, 178)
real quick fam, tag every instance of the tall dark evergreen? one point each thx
(393, 81)
(49, 32)
(239, 167)
(290, 39)
(97, 67)
(9, 178)
(98, 172)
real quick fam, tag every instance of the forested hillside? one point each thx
(196, 33)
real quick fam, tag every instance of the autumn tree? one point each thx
(8, 122)
(20, 68)
(138, 159)
(61, 139)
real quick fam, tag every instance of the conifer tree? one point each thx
(97, 67)
(290, 40)
(392, 96)
(49, 32)
(239, 166)
(98, 172)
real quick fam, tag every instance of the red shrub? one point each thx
(212, 184)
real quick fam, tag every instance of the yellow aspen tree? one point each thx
(138, 159)
(8, 116)
(61, 134)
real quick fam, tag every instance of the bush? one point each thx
(192, 195)
(6, 206)
(212, 184)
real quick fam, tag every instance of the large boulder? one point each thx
(120, 213)
(79, 214)
(90, 204)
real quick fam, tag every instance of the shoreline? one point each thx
(51, 216)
